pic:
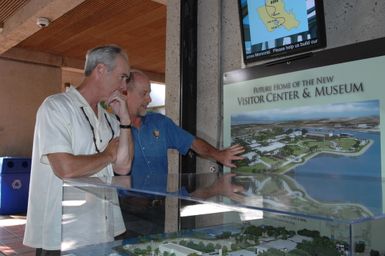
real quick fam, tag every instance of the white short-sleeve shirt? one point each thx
(62, 126)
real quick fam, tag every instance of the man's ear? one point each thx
(100, 69)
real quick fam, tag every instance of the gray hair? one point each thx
(105, 54)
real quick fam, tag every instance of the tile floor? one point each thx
(11, 236)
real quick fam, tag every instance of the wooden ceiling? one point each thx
(139, 26)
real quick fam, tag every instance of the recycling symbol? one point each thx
(16, 184)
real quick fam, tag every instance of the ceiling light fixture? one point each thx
(42, 22)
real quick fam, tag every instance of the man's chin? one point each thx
(142, 113)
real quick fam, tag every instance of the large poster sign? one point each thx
(326, 122)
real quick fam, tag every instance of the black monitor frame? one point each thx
(317, 40)
(357, 51)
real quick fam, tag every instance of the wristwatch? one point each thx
(122, 126)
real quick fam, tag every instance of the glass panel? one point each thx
(212, 213)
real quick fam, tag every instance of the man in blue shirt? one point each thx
(154, 134)
(153, 137)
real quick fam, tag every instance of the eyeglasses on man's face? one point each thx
(126, 78)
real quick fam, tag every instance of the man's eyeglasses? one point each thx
(125, 78)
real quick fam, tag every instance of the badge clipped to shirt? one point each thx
(156, 133)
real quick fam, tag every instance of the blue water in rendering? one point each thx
(336, 178)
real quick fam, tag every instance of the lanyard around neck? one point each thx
(93, 130)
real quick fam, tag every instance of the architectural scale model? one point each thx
(236, 240)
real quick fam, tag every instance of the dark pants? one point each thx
(42, 252)
(142, 216)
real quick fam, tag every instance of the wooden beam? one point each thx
(164, 2)
(20, 54)
(25, 55)
(22, 24)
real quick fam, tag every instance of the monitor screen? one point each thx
(274, 28)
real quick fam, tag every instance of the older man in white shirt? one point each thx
(76, 137)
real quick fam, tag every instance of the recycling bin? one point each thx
(14, 184)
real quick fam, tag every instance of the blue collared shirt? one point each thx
(157, 134)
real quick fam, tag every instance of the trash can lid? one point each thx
(9, 164)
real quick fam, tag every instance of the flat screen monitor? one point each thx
(278, 28)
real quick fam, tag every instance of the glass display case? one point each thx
(231, 214)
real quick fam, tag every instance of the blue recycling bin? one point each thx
(14, 184)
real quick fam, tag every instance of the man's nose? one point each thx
(123, 88)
